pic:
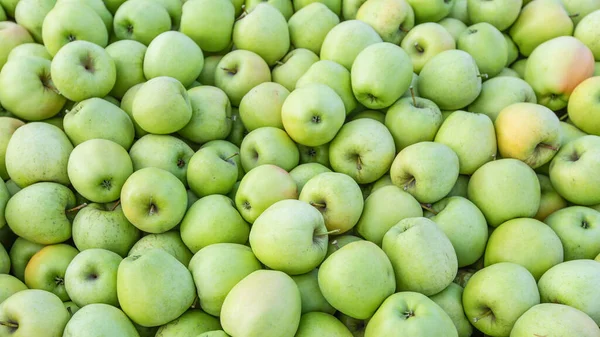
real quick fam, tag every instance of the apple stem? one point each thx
(335, 244)
(243, 15)
(485, 314)
(419, 48)
(279, 63)
(483, 76)
(335, 231)
(317, 204)
(428, 207)
(403, 29)
(572, 16)
(358, 163)
(233, 155)
(547, 146)
(76, 208)
(116, 205)
(412, 93)
(70, 311)
(409, 184)
(10, 324)
(195, 303)
(564, 117)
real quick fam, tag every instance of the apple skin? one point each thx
(128, 56)
(304, 172)
(586, 31)
(357, 278)
(170, 242)
(496, 296)
(262, 105)
(550, 201)
(207, 75)
(413, 120)
(450, 299)
(518, 191)
(552, 318)
(212, 32)
(582, 108)
(8, 126)
(431, 10)
(292, 66)
(346, 40)
(487, 45)
(577, 228)
(391, 19)
(453, 26)
(20, 253)
(500, 92)
(13, 34)
(46, 269)
(499, 14)
(130, 24)
(314, 154)
(426, 40)
(105, 320)
(10, 285)
(192, 322)
(211, 115)
(212, 171)
(311, 297)
(315, 324)
(534, 245)
(269, 145)
(265, 303)
(304, 33)
(571, 171)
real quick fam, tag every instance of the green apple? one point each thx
(454, 26)
(4, 197)
(20, 253)
(4, 260)
(373, 114)
(363, 149)
(346, 40)
(8, 126)
(261, 106)
(431, 10)
(582, 108)
(269, 145)
(292, 66)
(211, 115)
(471, 136)
(333, 75)
(72, 308)
(261, 187)
(426, 40)
(10, 285)
(507, 182)
(314, 154)
(486, 44)
(214, 333)
(350, 9)
(572, 283)
(500, 92)
(98, 7)
(46, 269)
(128, 56)
(450, 300)
(104, 226)
(212, 171)
(315, 324)
(286, 7)
(207, 75)
(141, 20)
(170, 242)
(334, 5)
(191, 323)
(460, 11)
(577, 228)
(209, 23)
(238, 72)
(426, 170)
(103, 319)
(153, 200)
(30, 49)
(531, 27)
(337, 242)
(460, 187)
(512, 54)
(338, 197)
(91, 277)
(58, 30)
(553, 79)
(586, 31)
(127, 106)
(185, 58)
(355, 326)
(550, 201)
(580, 9)
(451, 79)
(231, 150)
(496, 296)
(500, 14)
(571, 171)
(309, 26)
(311, 297)
(312, 114)
(356, 279)
(552, 318)
(33, 312)
(217, 268)
(264, 31)
(412, 120)
(391, 19)
(375, 62)
(519, 66)
(305, 172)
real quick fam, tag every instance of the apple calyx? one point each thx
(316, 119)
(59, 281)
(71, 38)
(585, 224)
(428, 207)
(408, 314)
(76, 208)
(106, 184)
(487, 313)
(11, 325)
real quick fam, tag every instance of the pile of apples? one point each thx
(307, 168)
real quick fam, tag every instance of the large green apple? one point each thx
(211, 115)
(412, 120)
(346, 40)
(309, 26)
(310, 293)
(103, 319)
(261, 106)
(557, 319)
(499, 92)
(426, 40)
(391, 19)
(450, 299)
(141, 20)
(292, 66)
(8, 126)
(192, 322)
(268, 145)
(582, 108)
(170, 242)
(431, 10)
(578, 230)
(128, 56)
(486, 44)
(46, 269)
(33, 312)
(209, 23)
(314, 324)
(500, 14)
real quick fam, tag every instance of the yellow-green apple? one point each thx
(128, 56)
(265, 303)
(350, 9)
(512, 51)
(431, 10)
(333, 75)
(4, 260)
(408, 313)
(426, 40)
(579, 9)
(309, 26)
(212, 170)
(174, 8)
(269, 145)
(454, 26)
(587, 32)
(162, 106)
(531, 27)
(290, 236)
(375, 62)
(286, 7)
(211, 115)
(507, 182)
(46, 269)
(571, 171)
(486, 44)
(334, 5)
(91, 277)
(311, 297)
(209, 23)
(127, 106)
(314, 154)
(383, 209)
(373, 114)
(412, 120)
(251, 199)
(261, 106)
(391, 19)
(451, 79)
(10, 285)
(460, 11)
(20, 253)
(337, 242)
(582, 109)
(153, 200)
(217, 268)
(103, 319)
(363, 149)
(519, 66)
(154, 288)
(315, 324)
(170, 242)
(238, 72)
(292, 66)
(564, 62)
(550, 200)
(304, 172)
(82, 69)
(33, 312)
(426, 170)
(460, 188)
(8, 126)
(26, 27)
(343, 43)
(450, 300)
(192, 322)
(572, 283)
(98, 7)
(498, 93)
(553, 318)
(207, 75)
(578, 230)
(500, 14)
(471, 136)
(141, 20)
(496, 296)
(264, 31)
(312, 115)
(230, 149)
(104, 226)
(30, 49)
(357, 278)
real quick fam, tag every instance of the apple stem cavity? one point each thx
(318, 205)
(243, 15)
(403, 29)
(487, 313)
(230, 71)
(548, 146)
(152, 210)
(409, 184)
(429, 208)
(77, 208)
(412, 94)
(11, 325)
(419, 48)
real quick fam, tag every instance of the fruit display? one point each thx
(299, 168)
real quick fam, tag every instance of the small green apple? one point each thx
(304, 30)
(169, 241)
(486, 44)
(46, 269)
(582, 108)
(305, 172)
(268, 145)
(450, 300)
(412, 120)
(141, 20)
(209, 23)
(8, 126)
(10, 285)
(211, 115)
(577, 228)
(20, 253)
(315, 324)
(500, 14)
(311, 297)
(431, 10)
(261, 106)
(292, 66)
(128, 56)
(550, 200)
(346, 40)
(553, 318)
(426, 40)
(391, 19)
(192, 322)
(207, 75)
(500, 92)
